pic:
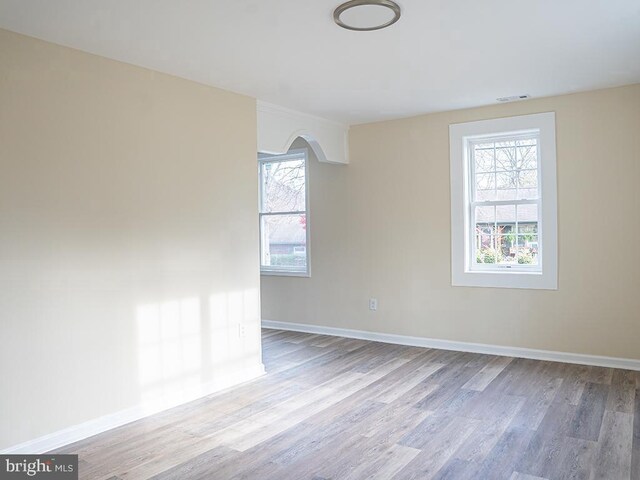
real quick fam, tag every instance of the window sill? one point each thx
(493, 279)
(281, 273)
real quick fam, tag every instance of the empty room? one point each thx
(320, 239)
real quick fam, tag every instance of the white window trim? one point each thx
(291, 154)
(459, 135)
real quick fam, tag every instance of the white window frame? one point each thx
(464, 270)
(293, 154)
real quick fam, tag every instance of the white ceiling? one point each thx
(441, 55)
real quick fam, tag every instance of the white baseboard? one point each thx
(89, 428)
(581, 359)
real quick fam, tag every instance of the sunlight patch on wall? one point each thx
(234, 330)
(181, 356)
(169, 356)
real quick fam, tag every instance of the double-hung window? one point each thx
(284, 220)
(503, 202)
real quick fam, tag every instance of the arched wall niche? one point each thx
(278, 128)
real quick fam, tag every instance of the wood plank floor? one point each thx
(337, 408)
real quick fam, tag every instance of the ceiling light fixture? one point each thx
(366, 15)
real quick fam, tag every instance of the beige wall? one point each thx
(128, 237)
(381, 228)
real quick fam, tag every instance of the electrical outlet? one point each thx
(373, 304)
(241, 331)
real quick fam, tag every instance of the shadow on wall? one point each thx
(186, 345)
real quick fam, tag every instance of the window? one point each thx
(284, 221)
(503, 202)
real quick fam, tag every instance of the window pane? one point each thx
(486, 253)
(485, 181)
(527, 215)
(506, 233)
(527, 154)
(284, 242)
(485, 216)
(485, 221)
(506, 156)
(528, 250)
(528, 184)
(483, 154)
(505, 247)
(506, 180)
(506, 183)
(283, 186)
(506, 215)
(527, 235)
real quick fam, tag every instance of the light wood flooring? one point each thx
(337, 408)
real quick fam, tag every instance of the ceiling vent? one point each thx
(513, 98)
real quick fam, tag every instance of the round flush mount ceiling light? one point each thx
(366, 15)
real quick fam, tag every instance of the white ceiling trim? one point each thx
(278, 127)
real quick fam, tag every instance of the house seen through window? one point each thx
(284, 229)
